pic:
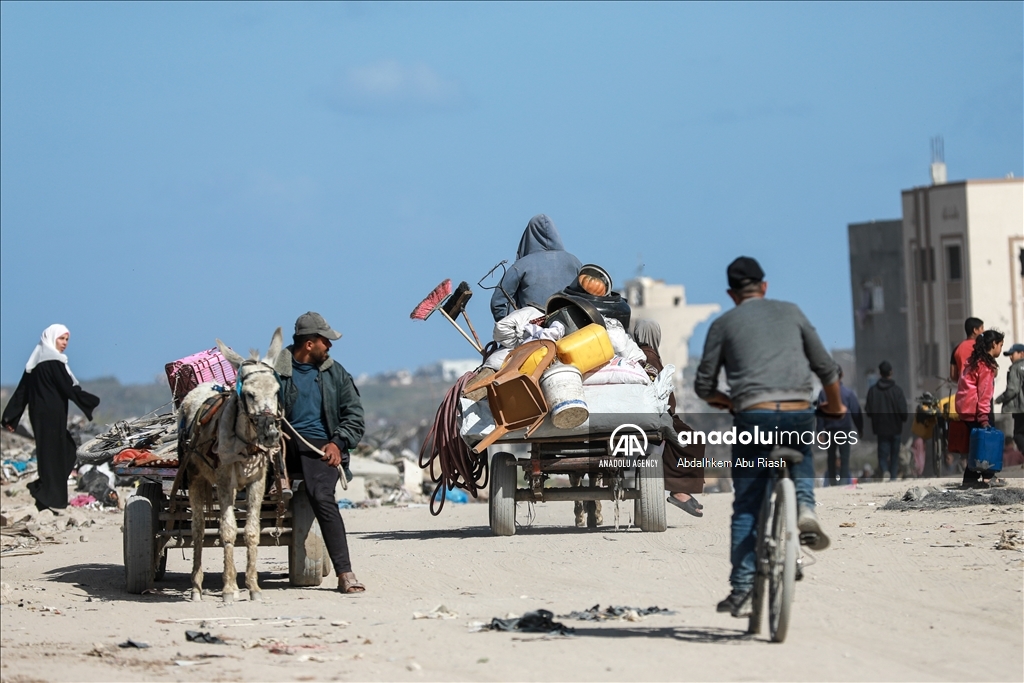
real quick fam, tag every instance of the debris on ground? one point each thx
(540, 621)
(138, 644)
(940, 499)
(1010, 539)
(614, 613)
(203, 637)
(439, 612)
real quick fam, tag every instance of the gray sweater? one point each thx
(769, 350)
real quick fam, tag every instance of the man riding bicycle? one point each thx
(769, 350)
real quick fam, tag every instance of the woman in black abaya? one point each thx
(45, 389)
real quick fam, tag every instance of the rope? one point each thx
(459, 466)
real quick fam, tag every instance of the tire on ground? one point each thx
(502, 501)
(306, 552)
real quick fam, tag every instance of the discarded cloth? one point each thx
(81, 500)
(541, 621)
(553, 333)
(203, 637)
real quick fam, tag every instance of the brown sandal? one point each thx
(348, 583)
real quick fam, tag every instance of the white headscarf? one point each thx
(46, 350)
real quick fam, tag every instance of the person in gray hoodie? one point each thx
(542, 268)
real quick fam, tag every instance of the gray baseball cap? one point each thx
(314, 323)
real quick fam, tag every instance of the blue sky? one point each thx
(172, 173)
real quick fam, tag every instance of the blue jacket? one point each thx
(853, 416)
(542, 268)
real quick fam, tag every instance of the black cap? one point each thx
(885, 367)
(744, 271)
(314, 323)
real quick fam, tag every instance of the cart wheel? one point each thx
(307, 553)
(502, 502)
(139, 544)
(649, 507)
(155, 493)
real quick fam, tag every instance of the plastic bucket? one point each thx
(986, 450)
(562, 386)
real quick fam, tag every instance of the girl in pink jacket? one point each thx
(974, 395)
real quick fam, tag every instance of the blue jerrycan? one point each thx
(986, 449)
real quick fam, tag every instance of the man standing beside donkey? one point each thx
(322, 404)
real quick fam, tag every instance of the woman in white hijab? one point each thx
(45, 389)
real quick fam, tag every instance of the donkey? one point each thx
(228, 440)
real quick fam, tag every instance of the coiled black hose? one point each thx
(459, 466)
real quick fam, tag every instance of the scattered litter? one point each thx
(190, 662)
(483, 660)
(345, 504)
(540, 621)
(1010, 540)
(940, 499)
(338, 622)
(134, 643)
(413, 666)
(439, 612)
(203, 637)
(847, 525)
(613, 612)
(918, 493)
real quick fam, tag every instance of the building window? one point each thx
(954, 266)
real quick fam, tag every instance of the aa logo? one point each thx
(628, 441)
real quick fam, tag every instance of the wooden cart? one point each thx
(570, 455)
(151, 528)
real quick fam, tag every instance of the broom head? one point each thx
(456, 303)
(433, 300)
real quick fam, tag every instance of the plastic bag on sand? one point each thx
(509, 330)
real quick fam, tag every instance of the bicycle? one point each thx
(778, 549)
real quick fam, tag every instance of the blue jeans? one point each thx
(889, 455)
(751, 481)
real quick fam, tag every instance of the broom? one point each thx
(433, 303)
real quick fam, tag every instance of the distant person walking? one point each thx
(542, 268)
(1013, 398)
(840, 447)
(974, 398)
(887, 409)
(45, 389)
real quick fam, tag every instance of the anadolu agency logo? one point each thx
(627, 447)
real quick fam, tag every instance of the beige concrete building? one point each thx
(666, 304)
(964, 256)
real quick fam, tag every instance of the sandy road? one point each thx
(900, 596)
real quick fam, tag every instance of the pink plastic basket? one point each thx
(206, 366)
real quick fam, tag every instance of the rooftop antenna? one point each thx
(938, 161)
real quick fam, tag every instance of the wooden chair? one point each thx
(514, 397)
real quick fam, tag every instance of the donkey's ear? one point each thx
(276, 342)
(233, 358)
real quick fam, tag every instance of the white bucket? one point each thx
(562, 385)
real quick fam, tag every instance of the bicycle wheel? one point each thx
(761, 577)
(784, 549)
